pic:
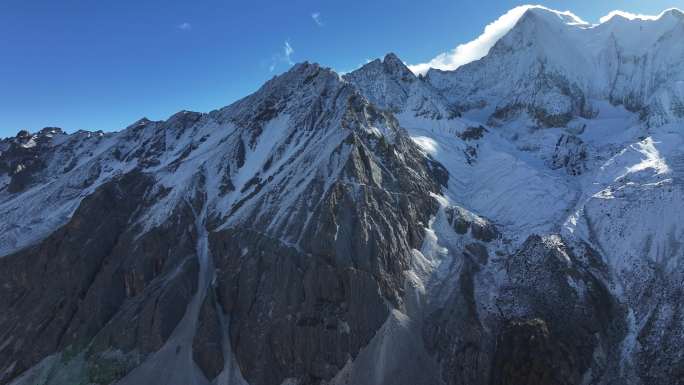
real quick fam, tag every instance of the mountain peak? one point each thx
(301, 76)
(676, 12)
(390, 65)
(552, 15)
(391, 57)
(305, 71)
(622, 16)
(394, 65)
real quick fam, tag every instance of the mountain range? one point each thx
(516, 220)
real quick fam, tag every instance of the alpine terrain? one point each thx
(516, 220)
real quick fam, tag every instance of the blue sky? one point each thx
(85, 64)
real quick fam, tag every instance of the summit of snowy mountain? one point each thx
(391, 85)
(552, 16)
(553, 66)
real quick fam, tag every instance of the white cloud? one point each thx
(316, 16)
(185, 26)
(288, 52)
(478, 48)
(284, 57)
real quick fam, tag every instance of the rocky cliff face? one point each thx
(279, 247)
(510, 222)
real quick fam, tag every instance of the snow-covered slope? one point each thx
(305, 175)
(575, 129)
(552, 67)
(389, 84)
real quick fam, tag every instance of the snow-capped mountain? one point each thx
(517, 220)
(553, 66)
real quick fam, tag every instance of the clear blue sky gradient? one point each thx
(100, 64)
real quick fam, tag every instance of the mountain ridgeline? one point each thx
(517, 220)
